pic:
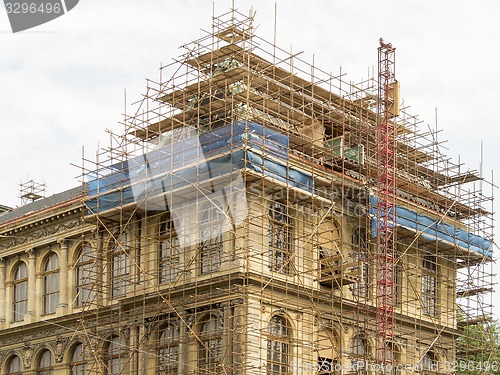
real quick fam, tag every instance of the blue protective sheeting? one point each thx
(181, 164)
(433, 229)
(279, 171)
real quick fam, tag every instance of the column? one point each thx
(63, 275)
(184, 334)
(134, 346)
(2, 291)
(31, 283)
(134, 252)
(142, 361)
(239, 337)
(101, 286)
(227, 338)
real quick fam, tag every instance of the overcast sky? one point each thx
(62, 84)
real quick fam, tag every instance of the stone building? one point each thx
(241, 226)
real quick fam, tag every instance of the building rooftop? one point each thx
(42, 204)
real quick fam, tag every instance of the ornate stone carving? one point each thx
(30, 252)
(63, 242)
(190, 319)
(42, 334)
(31, 237)
(93, 340)
(27, 356)
(59, 348)
(125, 333)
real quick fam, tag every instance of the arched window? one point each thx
(120, 265)
(328, 349)
(78, 365)
(211, 230)
(358, 346)
(45, 363)
(278, 346)
(51, 284)
(360, 254)
(210, 344)
(114, 357)
(389, 353)
(428, 363)
(84, 276)
(359, 350)
(14, 366)
(168, 349)
(20, 298)
(169, 252)
(279, 238)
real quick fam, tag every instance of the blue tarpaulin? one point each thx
(242, 145)
(433, 229)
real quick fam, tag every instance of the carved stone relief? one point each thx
(31, 237)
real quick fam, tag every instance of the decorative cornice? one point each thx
(40, 234)
(35, 336)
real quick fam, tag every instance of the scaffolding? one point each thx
(238, 224)
(385, 188)
(31, 191)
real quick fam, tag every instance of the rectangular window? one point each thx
(51, 284)
(360, 254)
(211, 238)
(169, 253)
(51, 293)
(279, 238)
(120, 278)
(20, 300)
(85, 274)
(120, 266)
(20, 295)
(429, 285)
(398, 284)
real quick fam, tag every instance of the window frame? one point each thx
(120, 277)
(51, 283)
(84, 267)
(168, 251)
(114, 356)
(278, 346)
(429, 284)
(45, 368)
(9, 363)
(211, 238)
(78, 366)
(361, 254)
(210, 344)
(168, 347)
(20, 286)
(358, 350)
(428, 363)
(279, 238)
